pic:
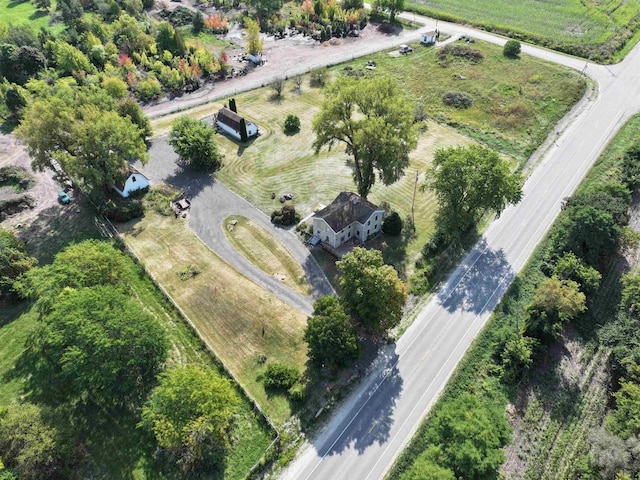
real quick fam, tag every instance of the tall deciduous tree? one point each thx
(190, 413)
(555, 303)
(14, 261)
(374, 121)
(471, 433)
(98, 344)
(29, 445)
(330, 335)
(194, 142)
(467, 182)
(264, 8)
(254, 44)
(390, 6)
(81, 129)
(371, 290)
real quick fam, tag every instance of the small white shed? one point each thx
(134, 181)
(429, 38)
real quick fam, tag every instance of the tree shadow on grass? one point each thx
(394, 248)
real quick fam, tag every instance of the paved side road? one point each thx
(211, 204)
(374, 424)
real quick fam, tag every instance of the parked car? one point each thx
(405, 49)
(63, 197)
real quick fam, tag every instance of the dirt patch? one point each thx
(44, 192)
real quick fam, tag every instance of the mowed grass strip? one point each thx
(239, 320)
(265, 252)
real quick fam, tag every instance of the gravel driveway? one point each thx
(211, 204)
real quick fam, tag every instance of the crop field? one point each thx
(239, 320)
(598, 28)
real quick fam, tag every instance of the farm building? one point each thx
(348, 217)
(429, 38)
(132, 180)
(233, 124)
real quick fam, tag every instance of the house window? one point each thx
(375, 227)
(349, 236)
(376, 218)
(368, 223)
(133, 178)
(357, 232)
(368, 232)
(326, 239)
(342, 239)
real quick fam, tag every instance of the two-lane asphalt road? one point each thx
(370, 429)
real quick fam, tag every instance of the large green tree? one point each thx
(470, 433)
(14, 261)
(98, 344)
(374, 120)
(190, 413)
(86, 264)
(30, 445)
(390, 6)
(555, 303)
(469, 181)
(81, 128)
(194, 142)
(371, 290)
(265, 8)
(330, 335)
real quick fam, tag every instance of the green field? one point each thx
(15, 12)
(597, 28)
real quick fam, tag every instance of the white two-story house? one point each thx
(348, 216)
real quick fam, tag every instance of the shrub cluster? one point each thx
(287, 215)
(459, 100)
(465, 52)
(291, 124)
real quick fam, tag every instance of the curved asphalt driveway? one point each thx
(211, 204)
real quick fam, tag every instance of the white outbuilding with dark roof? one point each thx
(228, 121)
(348, 216)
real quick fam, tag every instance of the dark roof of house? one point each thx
(348, 207)
(229, 118)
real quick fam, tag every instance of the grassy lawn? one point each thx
(239, 320)
(512, 114)
(14, 12)
(266, 252)
(568, 24)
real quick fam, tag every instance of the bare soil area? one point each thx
(44, 193)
